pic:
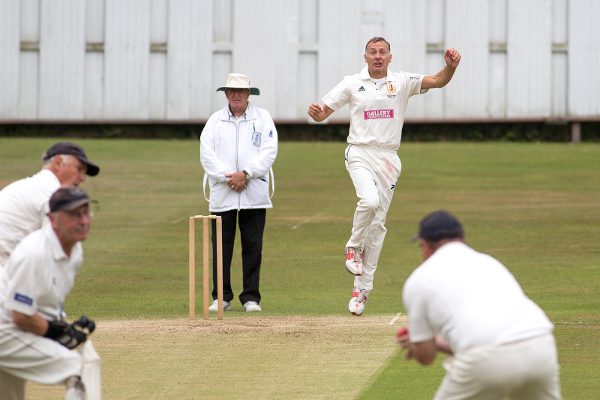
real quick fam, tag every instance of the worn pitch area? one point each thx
(239, 357)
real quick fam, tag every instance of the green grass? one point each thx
(536, 207)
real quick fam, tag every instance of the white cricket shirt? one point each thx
(470, 299)
(38, 276)
(23, 208)
(377, 108)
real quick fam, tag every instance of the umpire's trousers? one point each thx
(252, 226)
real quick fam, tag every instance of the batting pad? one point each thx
(90, 374)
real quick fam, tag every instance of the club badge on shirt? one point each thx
(391, 88)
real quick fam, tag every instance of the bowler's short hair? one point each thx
(378, 39)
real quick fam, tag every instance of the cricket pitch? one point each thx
(239, 357)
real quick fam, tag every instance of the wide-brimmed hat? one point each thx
(74, 150)
(68, 199)
(239, 81)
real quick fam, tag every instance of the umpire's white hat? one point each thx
(239, 81)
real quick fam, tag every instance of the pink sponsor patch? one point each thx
(379, 114)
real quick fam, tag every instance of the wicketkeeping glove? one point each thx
(85, 325)
(70, 335)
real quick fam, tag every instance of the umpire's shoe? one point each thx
(214, 307)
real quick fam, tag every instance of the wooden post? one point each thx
(192, 269)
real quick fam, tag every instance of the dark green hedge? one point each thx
(518, 132)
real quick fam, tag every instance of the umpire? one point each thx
(238, 147)
(35, 343)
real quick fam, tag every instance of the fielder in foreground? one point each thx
(468, 305)
(378, 99)
(24, 203)
(35, 342)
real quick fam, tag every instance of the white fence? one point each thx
(161, 60)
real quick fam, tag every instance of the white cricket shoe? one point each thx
(356, 305)
(354, 260)
(252, 306)
(214, 307)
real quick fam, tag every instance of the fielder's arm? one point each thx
(424, 352)
(69, 335)
(35, 324)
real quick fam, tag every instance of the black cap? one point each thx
(439, 225)
(74, 150)
(68, 198)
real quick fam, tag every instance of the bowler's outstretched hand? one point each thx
(452, 57)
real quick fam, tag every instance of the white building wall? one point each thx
(94, 60)
(496, 72)
(62, 59)
(188, 69)
(467, 30)
(127, 59)
(9, 58)
(584, 58)
(162, 60)
(29, 21)
(529, 58)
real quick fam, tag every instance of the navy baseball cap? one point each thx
(68, 198)
(439, 225)
(74, 150)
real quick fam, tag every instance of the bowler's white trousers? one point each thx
(374, 172)
(523, 370)
(28, 357)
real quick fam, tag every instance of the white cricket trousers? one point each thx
(28, 357)
(374, 172)
(522, 370)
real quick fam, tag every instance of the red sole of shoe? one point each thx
(351, 273)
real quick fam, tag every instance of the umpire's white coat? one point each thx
(227, 145)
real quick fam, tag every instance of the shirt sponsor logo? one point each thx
(379, 114)
(21, 298)
(361, 89)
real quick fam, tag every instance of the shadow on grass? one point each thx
(403, 379)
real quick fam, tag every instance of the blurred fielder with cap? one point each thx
(23, 203)
(468, 305)
(36, 344)
(377, 98)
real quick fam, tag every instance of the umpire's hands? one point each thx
(71, 335)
